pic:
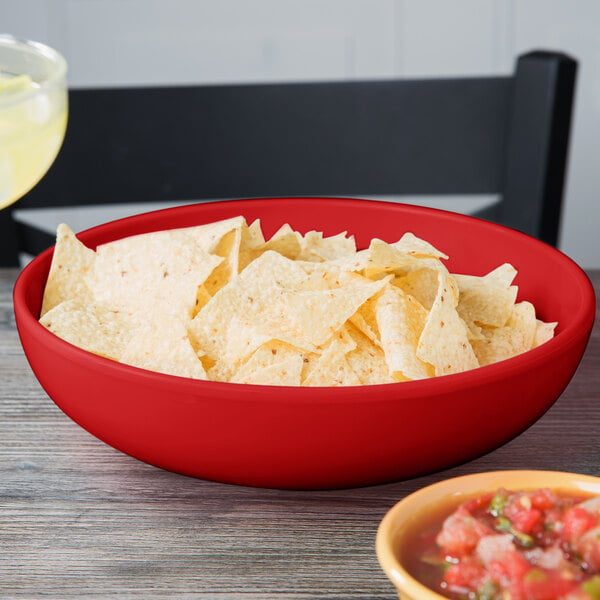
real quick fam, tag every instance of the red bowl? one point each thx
(302, 438)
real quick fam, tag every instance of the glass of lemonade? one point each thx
(33, 113)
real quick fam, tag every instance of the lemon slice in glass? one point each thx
(14, 85)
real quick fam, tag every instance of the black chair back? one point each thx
(481, 135)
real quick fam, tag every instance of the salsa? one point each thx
(513, 545)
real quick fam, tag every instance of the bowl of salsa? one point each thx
(503, 535)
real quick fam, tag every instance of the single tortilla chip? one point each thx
(332, 368)
(288, 361)
(315, 316)
(163, 346)
(485, 300)
(286, 372)
(245, 342)
(242, 338)
(344, 338)
(228, 248)
(285, 241)
(70, 265)
(386, 258)
(352, 262)
(217, 371)
(524, 325)
(365, 321)
(320, 276)
(209, 236)
(251, 238)
(444, 342)
(409, 243)
(503, 275)
(421, 284)
(367, 359)
(328, 275)
(400, 320)
(315, 247)
(91, 327)
(158, 271)
(543, 332)
(202, 297)
(516, 337)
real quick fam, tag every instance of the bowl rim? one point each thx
(582, 320)
(466, 486)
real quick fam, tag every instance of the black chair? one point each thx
(485, 135)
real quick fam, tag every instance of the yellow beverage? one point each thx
(33, 113)
(32, 127)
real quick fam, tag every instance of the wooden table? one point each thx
(80, 520)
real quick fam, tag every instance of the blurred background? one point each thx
(160, 42)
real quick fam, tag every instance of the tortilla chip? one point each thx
(385, 258)
(367, 359)
(89, 326)
(158, 272)
(351, 262)
(409, 243)
(209, 236)
(241, 338)
(502, 275)
(202, 297)
(70, 265)
(285, 241)
(317, 248)
(485, 300)
(273, 359)
(286, 372)
(229, 249)
(543, 332)
(315, 316)
(421, 284)
(400, 320)
(163, 346)
(327, 275)
(332, 368)
(251, 238)
(516, 337)
(444, 342)
(365, 321)
(217, 371)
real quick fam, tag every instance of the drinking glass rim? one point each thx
(56, 75)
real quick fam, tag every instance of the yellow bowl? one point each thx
(405, 518)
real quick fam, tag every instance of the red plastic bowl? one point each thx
(303, 438)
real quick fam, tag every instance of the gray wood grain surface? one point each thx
(80, 520)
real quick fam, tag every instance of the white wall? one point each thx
(116, 42)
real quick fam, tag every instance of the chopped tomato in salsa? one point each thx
(517, 545)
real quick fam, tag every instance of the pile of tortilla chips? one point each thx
(220, 302)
